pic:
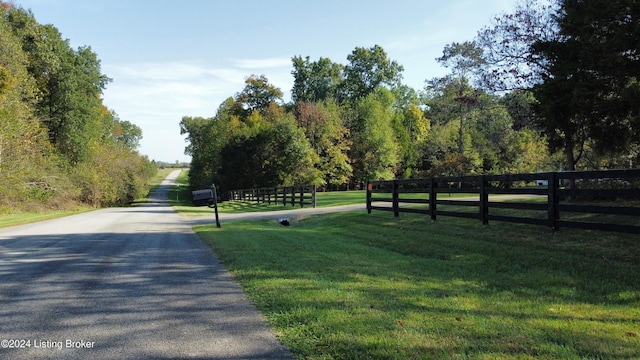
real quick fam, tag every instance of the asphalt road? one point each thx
(123, 283)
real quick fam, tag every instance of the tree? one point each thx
(464, 59)
(277, 155)
(52, 116)
(206, 138)
(375, 152)
(257, 94)
(600, 38)
(509, 62)
(590, 87)
(366, 71)
(324, 128)
(126, 133)
(314, 81)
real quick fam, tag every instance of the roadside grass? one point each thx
(354, 285)
(21, 218)
(13, 218)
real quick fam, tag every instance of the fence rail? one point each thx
(579, 192)
(294, 195)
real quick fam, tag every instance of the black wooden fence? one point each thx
(573, 194)
(294, 195)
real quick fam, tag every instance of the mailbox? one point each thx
(202, 197)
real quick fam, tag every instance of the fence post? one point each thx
(369, 189)
(484, 201)
(293, 196)
(553, 212)
(396, 202)
(301, 196)
(432, 199)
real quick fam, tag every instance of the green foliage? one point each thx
(207, 137)
(59, 145)
(464, 58)
(315, 81)
(251, 142)
(257, 95)
(375, 152)
(324, 127)
(362, 123)
(367, 70)
(358, 122)
(277, 154)
(579, 59)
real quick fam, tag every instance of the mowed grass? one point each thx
(26, 217)
(359, 286)
(180, 199)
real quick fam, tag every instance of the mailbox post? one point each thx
(215, 204)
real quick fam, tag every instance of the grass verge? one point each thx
(354, 285)
(21, 218)
(26, 217)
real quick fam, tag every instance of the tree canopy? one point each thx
(552, 85)
(59, 145)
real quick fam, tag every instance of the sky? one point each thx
(170, 59)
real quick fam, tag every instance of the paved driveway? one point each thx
(125, 283)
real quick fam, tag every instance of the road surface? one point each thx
(123, 283)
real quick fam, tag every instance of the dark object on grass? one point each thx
(284, 222)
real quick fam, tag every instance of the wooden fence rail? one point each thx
(295, 195)
(578, 192)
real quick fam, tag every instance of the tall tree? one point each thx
(375, 152)
(464, 59)
(276, 155)
(367, 70)
(510, 63)
(324, 127)
(126, 133)
(590, 87)
(314, 81)
(206, 138)
(51, 116)
(257, 94)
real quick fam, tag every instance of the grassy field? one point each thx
(180, 199)
(358, 286)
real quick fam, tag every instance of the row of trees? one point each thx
(59, 145)
(546, 87)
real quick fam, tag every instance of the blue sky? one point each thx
(170, 59)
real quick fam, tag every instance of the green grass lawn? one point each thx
(180, 199)
(21, 218)
(357, 286)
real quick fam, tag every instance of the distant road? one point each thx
(123, 283)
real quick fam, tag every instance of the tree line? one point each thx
(60, 146)
(550, 86)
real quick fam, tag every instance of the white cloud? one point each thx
(156, 95)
